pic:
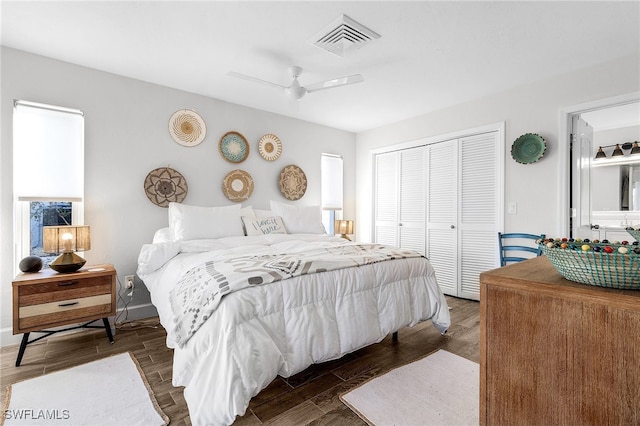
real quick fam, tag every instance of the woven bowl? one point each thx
(612, 270)
(635, 233)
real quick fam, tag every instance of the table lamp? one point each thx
(344, 227)
(66, 240)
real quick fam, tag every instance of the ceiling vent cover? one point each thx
(343, 36)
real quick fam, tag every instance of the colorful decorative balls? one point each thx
(595, 246)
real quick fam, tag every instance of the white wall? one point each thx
(126, 136)
(534, 108)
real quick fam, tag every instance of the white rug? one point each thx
(110, 391)
(440, 389)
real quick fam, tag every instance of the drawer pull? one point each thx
(62, 305)
(68, 283)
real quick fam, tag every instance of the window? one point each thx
(331, 172)
(48, 172)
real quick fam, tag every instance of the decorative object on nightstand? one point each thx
(66, 240)
(344, 227)
(46, 299)
(30, 264)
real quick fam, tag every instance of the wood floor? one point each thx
(308, 398)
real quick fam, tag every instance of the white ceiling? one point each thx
(625, 115)
(431, 54)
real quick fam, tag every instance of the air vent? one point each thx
(344, 36)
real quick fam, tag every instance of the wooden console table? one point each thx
(557, 352)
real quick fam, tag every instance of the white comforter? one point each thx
(283, 327)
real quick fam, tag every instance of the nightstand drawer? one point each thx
(46, 314)
(41, 293)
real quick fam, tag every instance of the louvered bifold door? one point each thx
(442, 208)
(413, 194)
(386, 198)
(478, 215)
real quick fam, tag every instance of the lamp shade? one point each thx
(66, 239)
(344, 227)
(600, 154)
(617, 151)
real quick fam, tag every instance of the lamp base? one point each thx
(67, 262)
(345, 237)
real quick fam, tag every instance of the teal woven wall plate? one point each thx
(528, 148)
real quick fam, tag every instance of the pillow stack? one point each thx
(188, 222)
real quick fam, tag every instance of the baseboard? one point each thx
(146, 310)
(137, 312)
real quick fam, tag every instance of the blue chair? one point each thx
(518, 245)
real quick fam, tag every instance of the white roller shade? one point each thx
(331, 175)
(48, 152)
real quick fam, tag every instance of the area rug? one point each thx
(110, 391)
(440, 389)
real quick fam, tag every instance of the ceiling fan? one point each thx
(295, 90)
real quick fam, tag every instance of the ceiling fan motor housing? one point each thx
(295, 91)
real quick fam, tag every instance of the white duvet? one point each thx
(283, 327)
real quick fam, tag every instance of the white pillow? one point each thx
(195, 222)
(263, 225)
(262, 213)
(247, 211)
(162, 235)
(299, 220)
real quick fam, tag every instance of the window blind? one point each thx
(48, 152)
(331, 182)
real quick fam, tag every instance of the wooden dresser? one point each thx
(557, 352)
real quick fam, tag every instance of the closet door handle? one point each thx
(453, 227)
(399, 224)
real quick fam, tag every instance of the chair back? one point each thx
(515, 246)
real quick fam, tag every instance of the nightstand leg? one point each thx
(23, 346)
(107, 327)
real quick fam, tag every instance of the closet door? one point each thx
(400, 198)
(442, 213)
(462, 217)
(478, 219)
(412, 200)
(386, 198)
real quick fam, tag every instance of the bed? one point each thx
(239, 310)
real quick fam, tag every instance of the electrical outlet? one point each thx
(128, 281)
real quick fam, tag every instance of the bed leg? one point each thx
(394, 336)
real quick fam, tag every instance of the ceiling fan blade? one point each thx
(336, 82)
(255, 79)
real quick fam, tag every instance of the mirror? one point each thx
(606, 171)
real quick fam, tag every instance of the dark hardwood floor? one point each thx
(308, 398)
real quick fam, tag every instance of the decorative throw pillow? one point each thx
(195, 222)
(263, 225)
(299, 220)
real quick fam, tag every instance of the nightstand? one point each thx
(48, 299)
